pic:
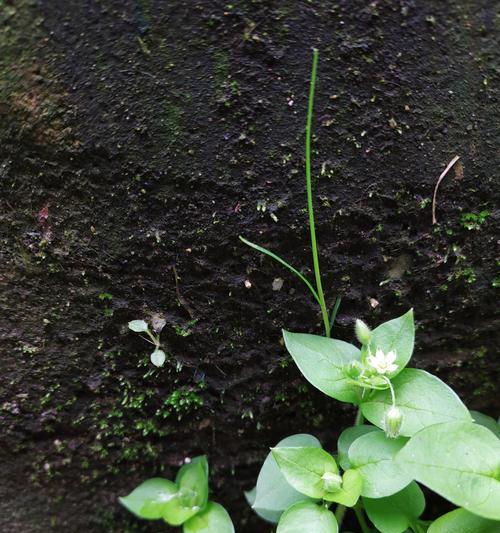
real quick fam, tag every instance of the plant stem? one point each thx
(310, 207)
(359, 418)
(341, 509)
(417, 528)
(339, 514)
(358, 510)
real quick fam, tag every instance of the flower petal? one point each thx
(390, 357)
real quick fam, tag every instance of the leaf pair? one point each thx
(422, 398)
(308, 470)
(158, 356)
(292, 480)
(323, 361)
(184, 502)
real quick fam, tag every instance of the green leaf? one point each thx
(422, 398)
(138, 326)
(398, 512)
(284, 263)
(192, 496)
(213, 519)
(302, 515)
(396, 335)
(373, 456)
(303, 468)
(321, 361)
(348, 495)
(347, 437)
(194, 476)
(149, 498)
(273, 494)
(158, 357)
(486, 421)
(460, 461)
(461, 521)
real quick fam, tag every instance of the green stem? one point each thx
(358, 510)
(359, 418)
(156, 340)
(310, 207)
(341, 509)
(417, 528)
(393, 395)
(339, 514)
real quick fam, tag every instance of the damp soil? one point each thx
(138, 139)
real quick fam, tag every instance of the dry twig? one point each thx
(440, 179)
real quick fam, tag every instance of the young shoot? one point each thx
(183, 502)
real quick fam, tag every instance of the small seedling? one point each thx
(181, 503)
(158, 356)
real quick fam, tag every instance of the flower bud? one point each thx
(187, 497)
(331, 482)
(392, 422)
(353, 370)
(363, 332)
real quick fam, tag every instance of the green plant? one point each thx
(473, 221)
(181, 503)
(158, 356)
(106, 298)
(419, 431)
(317, 292)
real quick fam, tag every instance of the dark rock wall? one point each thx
(138, 139)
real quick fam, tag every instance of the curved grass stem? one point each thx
(310, 206)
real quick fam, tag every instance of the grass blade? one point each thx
(282, 262)
(334, 312)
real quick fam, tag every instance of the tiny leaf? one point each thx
(422, 398)
(158, 357)
(373, 456)
(396, 513)
(213, 519)
(149, 498)
(138, 326)
(322, 362)
(460, 461)
(316, 518)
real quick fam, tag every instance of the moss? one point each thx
(224, 86)
(171, 121)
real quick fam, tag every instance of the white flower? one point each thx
(383, 363)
